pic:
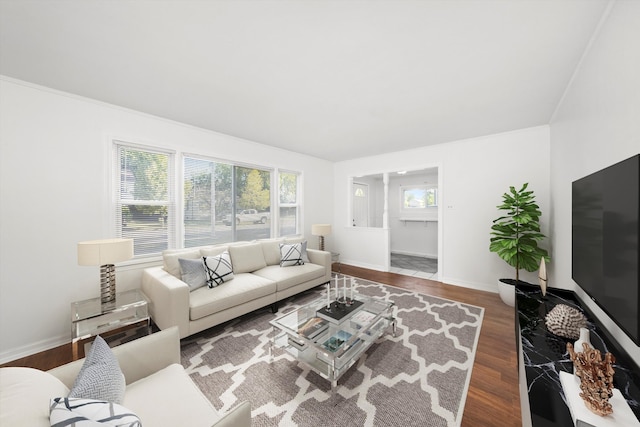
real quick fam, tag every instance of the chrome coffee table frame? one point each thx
(353, 335)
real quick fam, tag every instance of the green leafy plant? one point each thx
(516, 234)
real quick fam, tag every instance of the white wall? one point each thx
(596, 125)
(54, 193)
(473, 175)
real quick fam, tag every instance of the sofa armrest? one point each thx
(321, 258)
(137, 359)
(240, 416)
(169, 298)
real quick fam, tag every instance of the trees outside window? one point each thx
(144, 208)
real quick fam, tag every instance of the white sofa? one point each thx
(158, 389)
(258, 281)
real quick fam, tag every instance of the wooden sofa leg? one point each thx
(274, 307)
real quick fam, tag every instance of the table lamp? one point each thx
(321, 230)
(105, 253)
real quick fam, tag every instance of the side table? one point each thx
(335, 258)
(90, 318)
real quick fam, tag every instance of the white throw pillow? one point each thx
(218, 269)
(100, 377)
(90, 413)
(291, 255)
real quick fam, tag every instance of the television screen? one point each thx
(605, 234)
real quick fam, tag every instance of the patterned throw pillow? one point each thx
(218, 269)
(291, 255)
(75, 412)
(100, 377)
(193, 273)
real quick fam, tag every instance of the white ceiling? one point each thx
(332, 79)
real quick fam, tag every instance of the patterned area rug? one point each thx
(418, 378)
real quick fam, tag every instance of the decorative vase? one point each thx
(577, 346)
(542, 276)
(584, 337)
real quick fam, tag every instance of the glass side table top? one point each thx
(327, 347)
(81, 310)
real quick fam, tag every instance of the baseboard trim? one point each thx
(364, 265)
(33, 348)
(471, 285)
(423, 255)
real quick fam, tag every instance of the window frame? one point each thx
(117, 201)
(298, 204)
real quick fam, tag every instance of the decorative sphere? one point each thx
(565, 321)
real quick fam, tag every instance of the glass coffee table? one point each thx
(329, 346)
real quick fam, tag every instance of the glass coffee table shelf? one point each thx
(331, 348)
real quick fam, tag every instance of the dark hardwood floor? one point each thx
(493, 398)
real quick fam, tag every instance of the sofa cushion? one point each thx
(171, 258)
(192, 272)
(292, 240)
(271, 250)
(286, 278)
(291, 255)
(171, 390)
(218, 269)
(244, 287)
(100, 376)
(247, 258)
(25, 394)
(213, 250)
(90, 413)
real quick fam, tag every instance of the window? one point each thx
(207, 196)
(289, 203)
(144, 208)
(210, 214)
(418, 197)
(252, 191)
(221, 202)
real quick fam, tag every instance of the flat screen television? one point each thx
(604, 243)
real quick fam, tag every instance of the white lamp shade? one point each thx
(321, 229)
(105, 251)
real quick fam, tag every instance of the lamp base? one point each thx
(321, 243)
(107, 283)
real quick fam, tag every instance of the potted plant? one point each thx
(515, 237)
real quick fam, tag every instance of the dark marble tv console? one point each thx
(543, 355)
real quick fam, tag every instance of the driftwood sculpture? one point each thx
(596, 377)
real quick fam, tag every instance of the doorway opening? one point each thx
(413, 222)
